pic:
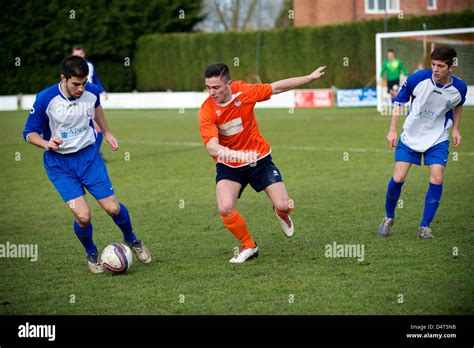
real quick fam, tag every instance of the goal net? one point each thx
(414, 48)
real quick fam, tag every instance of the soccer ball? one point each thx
(116, 258)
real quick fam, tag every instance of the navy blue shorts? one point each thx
(71, 173)
(259, 177)
(437, 154)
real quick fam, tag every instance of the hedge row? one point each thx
(42, 32)
(177, 61)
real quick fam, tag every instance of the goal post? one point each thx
(414, 49)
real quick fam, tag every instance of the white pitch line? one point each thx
(160, 143)
(330, 149)
(292, 148)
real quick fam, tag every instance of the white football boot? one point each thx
(245, 254)
(94, 263)
(424, 232)
(142, 252)
(286, 224)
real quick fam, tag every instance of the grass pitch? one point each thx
(336, 165)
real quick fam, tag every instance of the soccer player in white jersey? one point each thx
(61, 123)
(436, 99)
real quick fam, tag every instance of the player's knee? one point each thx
(436, 179)
(83, 219)
(225, 208)
(399, 178)
(113, 209)
(283, 206)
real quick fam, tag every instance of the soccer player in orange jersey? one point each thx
(230, 132)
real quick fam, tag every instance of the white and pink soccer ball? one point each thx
(116, 258)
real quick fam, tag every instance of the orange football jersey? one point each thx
(234, 122)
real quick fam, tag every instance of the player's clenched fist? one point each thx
(53, 143)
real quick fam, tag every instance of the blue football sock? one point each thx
(98, 141)
(393, 193)
(84, 234)
(122, 220)
(433, 197)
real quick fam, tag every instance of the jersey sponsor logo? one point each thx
(65, 133)
(32, 110)
(231, 128)
(427, 114)
(218, 112)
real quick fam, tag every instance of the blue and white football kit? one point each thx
(426, 128)
(425, 132)
(76, 165)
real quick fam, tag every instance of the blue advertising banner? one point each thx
(356, 97)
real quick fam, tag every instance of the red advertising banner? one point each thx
(308, 98)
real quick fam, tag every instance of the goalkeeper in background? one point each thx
(393, 67)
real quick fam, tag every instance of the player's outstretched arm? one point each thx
(456, 121)
(102, 122)
(293, 82)
(223, 153)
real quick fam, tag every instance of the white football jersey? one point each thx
(70, 119)
(431, 109)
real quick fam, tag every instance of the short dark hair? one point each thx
(390, 50)
(444, 53)
(217, 69)
(74, 66)
(78, 48)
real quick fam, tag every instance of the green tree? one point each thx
(35, 35)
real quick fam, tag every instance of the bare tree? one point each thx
(240, 15)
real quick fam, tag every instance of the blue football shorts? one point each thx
(72, 173)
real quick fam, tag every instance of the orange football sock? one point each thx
(235, 223)
(283, 215)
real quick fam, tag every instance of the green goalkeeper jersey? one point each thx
(393, 69)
